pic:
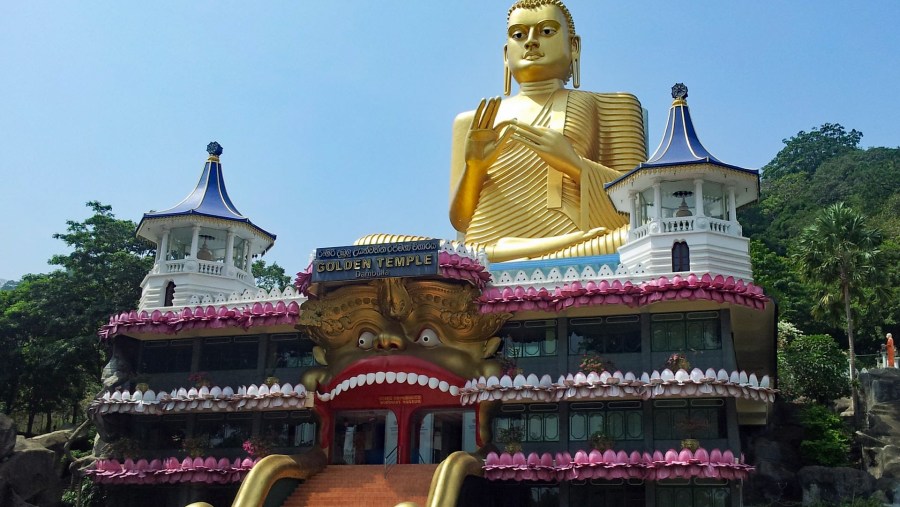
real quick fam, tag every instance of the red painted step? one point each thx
(355, 485)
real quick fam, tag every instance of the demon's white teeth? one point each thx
(390, 377)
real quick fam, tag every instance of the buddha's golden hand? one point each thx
(485, 140)
(551, 145)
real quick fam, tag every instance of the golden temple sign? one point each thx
(388, 260)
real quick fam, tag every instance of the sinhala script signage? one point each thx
(410, 258)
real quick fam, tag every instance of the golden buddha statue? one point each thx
(528, 172)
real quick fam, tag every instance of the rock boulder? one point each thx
(7, 436)
(834, 485)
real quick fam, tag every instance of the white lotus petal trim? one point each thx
(605, 385)
(215, 399)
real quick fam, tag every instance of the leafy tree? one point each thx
(804, 152)
(812, 367)
(839, 254)
(826, 440)
(269, 276)
(48, 323)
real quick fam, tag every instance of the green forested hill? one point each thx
(814, 170)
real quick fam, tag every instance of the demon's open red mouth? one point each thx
(391, 369)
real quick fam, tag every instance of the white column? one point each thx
(657, 201)
(732, 205)
(195, 242)
(632, 196)
(698, 193)
(249, 256)
(229, 248)
(163, 247)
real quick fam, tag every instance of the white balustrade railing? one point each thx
(679, 224)
(174, 267)
(211, 268)
(686, 224)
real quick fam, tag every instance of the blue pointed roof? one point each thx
(209, 198)
(680, 144)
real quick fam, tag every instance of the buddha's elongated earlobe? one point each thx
(576, 61)
(507, 75)
(576, 72)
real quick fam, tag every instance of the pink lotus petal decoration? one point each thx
(617, 465)
(575, 294)
(209, 470)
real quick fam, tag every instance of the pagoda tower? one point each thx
(204, 245)
(683, 203)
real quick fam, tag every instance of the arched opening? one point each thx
(681, 257)
(169, 297)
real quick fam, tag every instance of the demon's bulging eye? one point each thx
(366, 340)
(428, 338)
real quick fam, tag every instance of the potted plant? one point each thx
(125, 448)
(691, 427)
(595, 363)
(508, 365)
(200, 379)
(140, 383)
(678, 361)
(511, 438)
(601, 441)
(197, 446)
(259, 446)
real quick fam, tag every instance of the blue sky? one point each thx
(335, 116)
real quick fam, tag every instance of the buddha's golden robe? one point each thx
(523, 197)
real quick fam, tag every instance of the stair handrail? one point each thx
(387, 460)
(449, 476)
(271, 469)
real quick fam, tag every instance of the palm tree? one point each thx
(840, 254)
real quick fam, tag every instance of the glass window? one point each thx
(239, 255)
(621, 420)
(681, 257)
(679, 419)
(290, 351)
(530, 338)
(224, 431)
(607, 493)
(715, 200)
(168, 356)
(685, 331)
(159, 432)
(289, 429)
(179, 243)
(539, 423)
(544, 496)
(619, 334)
(238, 353)
(692, 495)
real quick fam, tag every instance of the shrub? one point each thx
(813, 367)
(826, 441)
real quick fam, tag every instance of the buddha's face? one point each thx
(539, 46)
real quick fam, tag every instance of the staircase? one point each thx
(355, 485)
